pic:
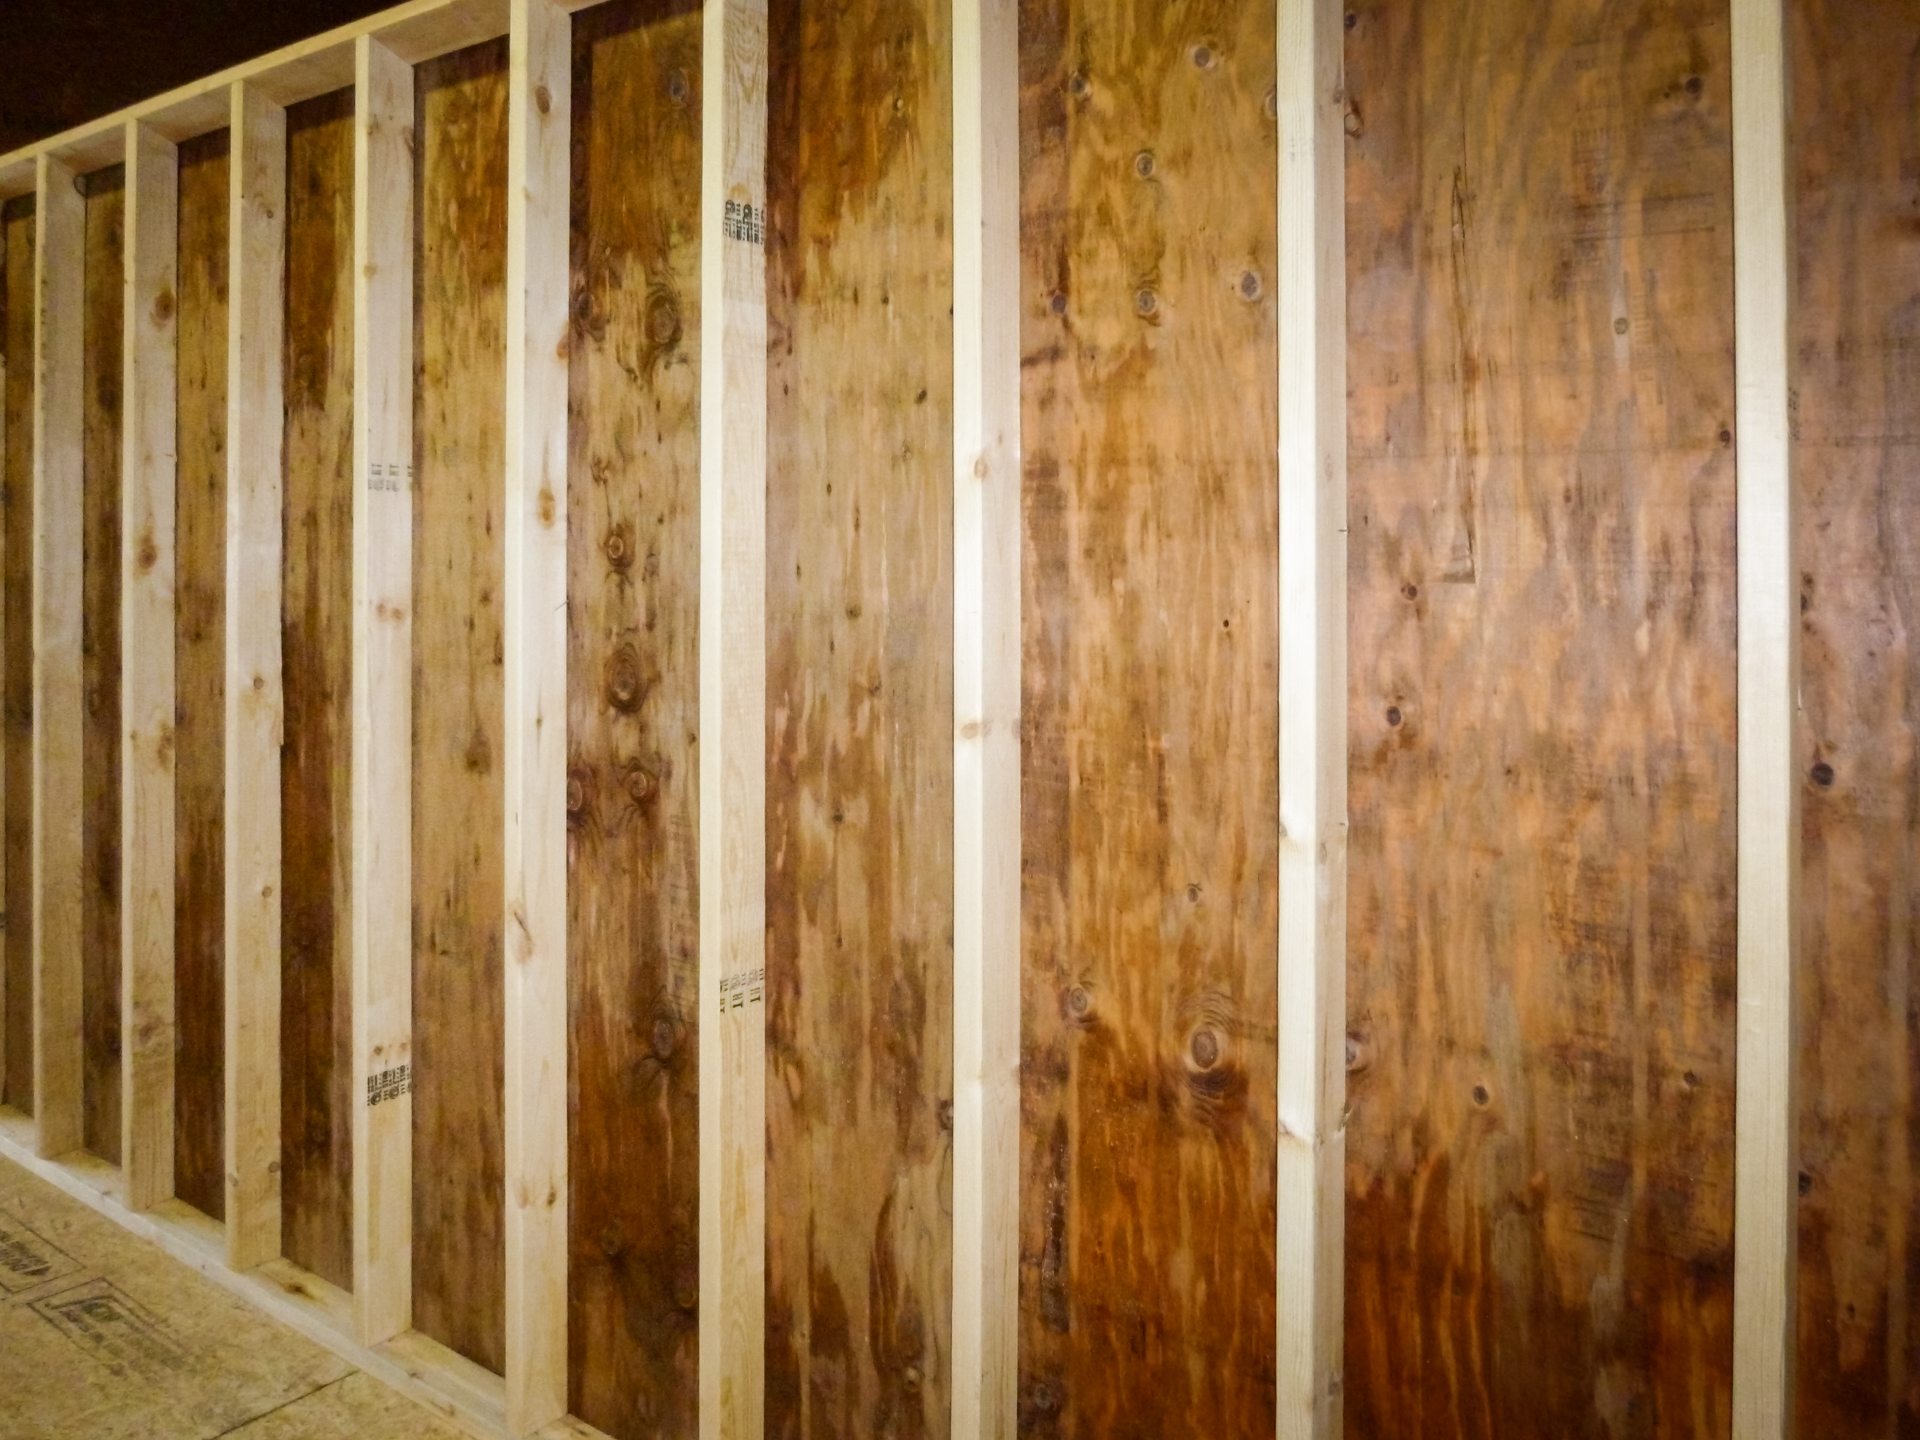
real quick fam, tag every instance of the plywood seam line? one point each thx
(255, 439)
(1765, 1205)
(540, 108)
(986, 696)
(1311, 304)
(732, 728)
(147, 561)
(382, 887)
(59, 263)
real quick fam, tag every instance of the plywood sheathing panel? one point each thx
(200, 511)
(459, 1259)
(1149, 782)
(1855, 137)
(100, 658)
(316, 1031)
(16, 658)
(1542, 721)
(859, 719)
(632, 720)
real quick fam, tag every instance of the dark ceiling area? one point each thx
(71, 61)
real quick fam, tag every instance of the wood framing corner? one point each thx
(59, 264)
(255, 321)
(1311, 300)
(1765, 1206)
(147, 470)
(538, 118)
(986, 769)
(382, 887)
(733, 687)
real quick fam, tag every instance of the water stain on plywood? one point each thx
(16, 658)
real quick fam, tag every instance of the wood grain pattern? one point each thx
(1149, 785)
(316, 1000)
(100, 657)
(633, 680)
(150, 412)
(459, 1255)
(59, 711)
(859, 720)
(1541, 984)
(16, 658)
(1855, 139)
(200, 529)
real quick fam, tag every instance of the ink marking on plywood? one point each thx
(389, 1084)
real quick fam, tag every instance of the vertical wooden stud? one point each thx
(1765, 1219)
(147, 476)
(986, 695)
(733, 689)
(255, 429)
(59, 260)
(538, 117)
(382, 887)
(1311, 301)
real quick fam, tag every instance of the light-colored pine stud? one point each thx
(986, 697)
(733, 707)
(1765, 1222)
(254, 710)
(147, 470)
(382, 888)
(59, 304)
(538, 119)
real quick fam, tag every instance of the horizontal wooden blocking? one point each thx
(382, 885)
(58, 469)
(1766, 1232)
(986, 717)
(147, 476)
(1310, 296)
(539, 114)
(733, 736)
(255, 326)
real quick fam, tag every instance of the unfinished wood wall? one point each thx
(459, 1182)
(1150, 798)
(1542, 731)
(316, 1027)
(1542, 712)
(16, 656)
(633, 578)
(200, 528)
(1856, 332)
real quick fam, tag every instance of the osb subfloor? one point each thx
(103, 1336)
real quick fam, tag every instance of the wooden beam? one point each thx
(1765, 1222)
(733, 704)
(986, 715)
(539, 113)
(147, 476)
(255, 435)
(382, 888)
(1310, 296)
(59, 297)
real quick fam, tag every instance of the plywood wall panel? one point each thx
(100, 659)
(1855, 136)
(1542, 721)
(16, 655)
(859, 719)
(633, 682)
(459, 1237)
(1149, 779)
(199, 799)
(316, 1030)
